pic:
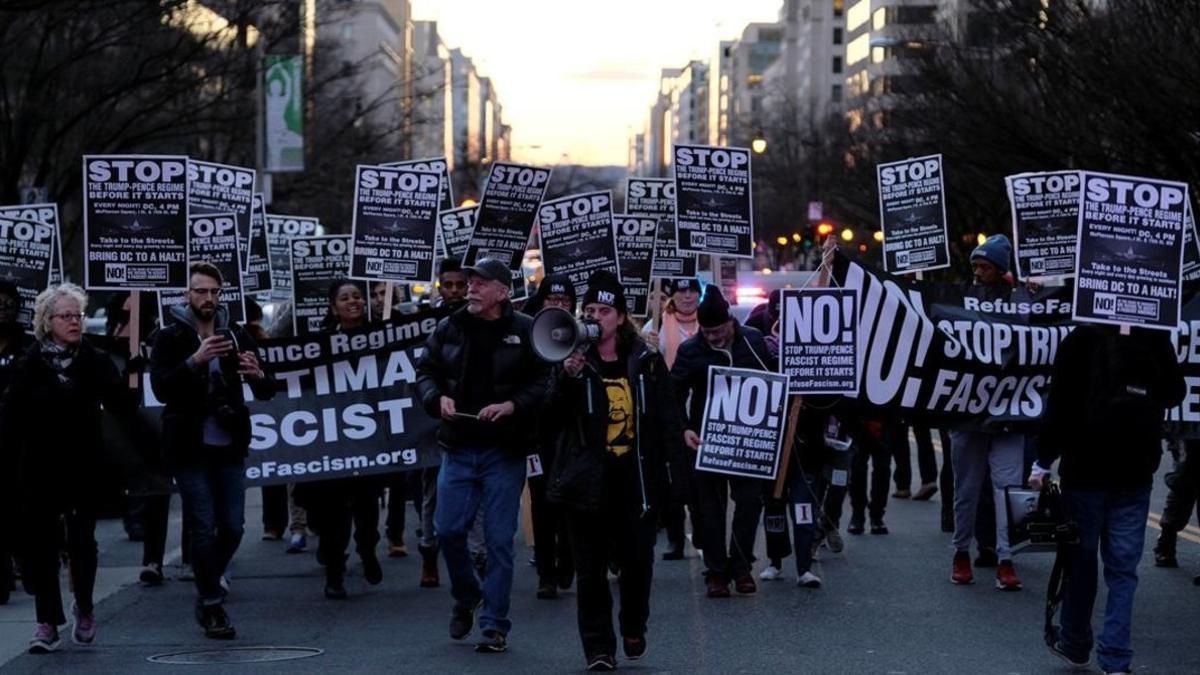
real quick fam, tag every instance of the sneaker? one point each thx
(987, 558)
(745, 584)
(1057, 648)
(925, 492)
(272, 535)
(809, 580)
(214, 621)
(1006, 577)
(298, 543)
(771, 573)
(462, 621)
(718, 586)
(902, 493)
(602, 663)
(493, 642)
(151, 575)
(186, 573)
(833, 539)
(856, 525)
(372, 572)
(44, 640)
(429, 567)
(961, 571)
(877, 526)
(635, 648)
(397, 550)
(1164, 551)
(84, 630)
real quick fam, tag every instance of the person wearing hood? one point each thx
(722, 341)
(197, 368)
(678, 321)
(624, 425)
(551, 546)
(12, 343)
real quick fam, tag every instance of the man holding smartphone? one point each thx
(197, 368)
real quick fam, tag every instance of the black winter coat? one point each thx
(690, 372)
(581, 403)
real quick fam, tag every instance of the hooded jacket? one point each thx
(690, 372)
(183, 388)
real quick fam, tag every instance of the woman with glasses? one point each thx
(51, 433)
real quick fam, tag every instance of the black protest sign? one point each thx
(437, 165)
(713, 210)
(818, 340)
(912, 215)
(744, 423)
(347, 405)
(135, 228)
(1191, 245)
(506, 213)
(215, 239)
(26, 251)
(455, 228)
(577, 237)
(395, 224)
(221, 188)
(316, 263)
(1130, 251)
(280, 231)
(1045, 214)
(656, 197)
(47, 214)
(635, 255)
(256, 276)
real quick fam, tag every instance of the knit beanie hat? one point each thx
(996, 249)
(604, 287)
(714, 308)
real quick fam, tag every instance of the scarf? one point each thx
(59, 358)
(676, 328)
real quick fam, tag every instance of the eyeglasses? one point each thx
(214, 292)
(68, 317)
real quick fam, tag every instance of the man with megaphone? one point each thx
(621, 425)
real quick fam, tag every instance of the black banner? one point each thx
(455, 228)
(656, 197)
(213, 238)
(316, 262)
(256, 277)
(135, 228)
(437, 165)
(713, 209)
(280, 230)
(347, 405)
(635, 253)
(577, 237)
(221, 188)
(818, 340)
(1130, 251)
(1045, 213)
(395, 224)
(26, 251)
(912, 215)
(47, 214)
(744, 423)
(506, 213)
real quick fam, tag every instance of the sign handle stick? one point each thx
(789, 440)
(387, 301)
(656, 301)
(714, 263)
(135, 332)
(1125, 329)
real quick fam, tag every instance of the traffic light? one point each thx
(825, 229)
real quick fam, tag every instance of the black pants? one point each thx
(713, 492)
(868, 449)
(275, 513)
(926, 461)
(626, 538)
(401, 487)
(9, 536)
(336, 507)
(551, 542)
(156, 516)
(775, 523)
(42, 561)
(1183, 488)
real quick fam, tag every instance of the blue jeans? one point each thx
(471, 479)
(1113, 524)
(214, 513)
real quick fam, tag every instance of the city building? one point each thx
(433, 94)
(807, 81)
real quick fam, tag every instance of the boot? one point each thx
(429, 567)
(335, 583)
(1164, 550)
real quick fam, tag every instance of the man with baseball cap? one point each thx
(480, 376)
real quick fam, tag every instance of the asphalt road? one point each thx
(887, 607)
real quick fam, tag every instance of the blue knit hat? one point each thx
(996, 249)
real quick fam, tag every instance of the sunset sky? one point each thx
(576, 78)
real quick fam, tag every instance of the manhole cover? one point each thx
(235, 655)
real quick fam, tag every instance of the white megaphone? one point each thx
(557, 334)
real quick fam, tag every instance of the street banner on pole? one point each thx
(256, 276)
(656, 197)
(635, 256)
(713, 208)
(394, 224)
(744, 420)
(283, 108)
(26, 251)
(280, 231)
(1045, 214)
(316, 263)
(818, 340)
(437, 165)
(214, 238)
(578, 238)
(135, 228)
(455, 228)
(1130, 251)
(506, 213)
(221, 188)
(46, 214)
(912, 215)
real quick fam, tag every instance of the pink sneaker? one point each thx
(44, 640)
(84, 631)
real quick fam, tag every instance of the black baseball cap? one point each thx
(492, 269)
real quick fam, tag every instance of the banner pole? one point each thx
(135, 333)
(789, 440)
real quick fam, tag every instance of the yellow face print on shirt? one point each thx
(620, 415)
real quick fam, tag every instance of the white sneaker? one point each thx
(186, 573)
(771, 573)
(809, 580)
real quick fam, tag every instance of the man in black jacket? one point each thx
(1104, 419)
(480, 376)
(196, 369)
(722, 341)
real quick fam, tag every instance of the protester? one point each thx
(606, 474)
(1104, 418)
(52, 445)
(551, 545)
(926, 463)
(479, 374)
(982, 447)
(871, 444)
(197, 368)
(274, 497)
(12, 344)
(336, 505)
(1183, 490)
(722, 342)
